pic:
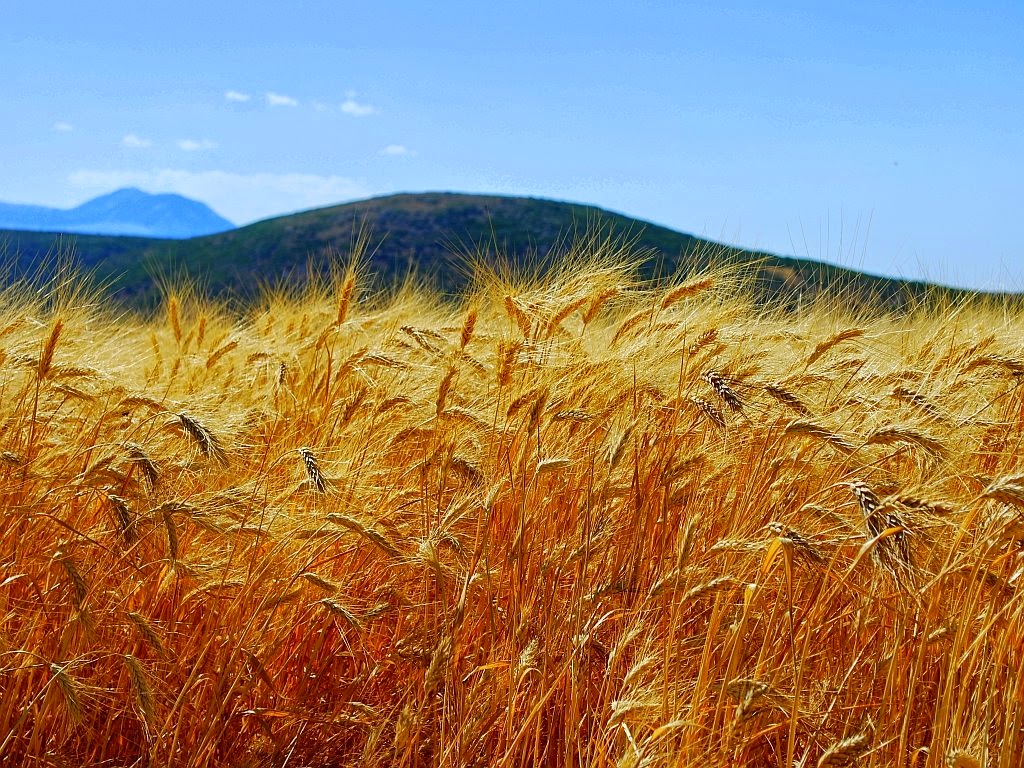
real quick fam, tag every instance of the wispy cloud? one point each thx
(131, 141)
(280, 100)
(356, 108)
(240, 197)
(62, 127)
(236, 96)
(397, 150)
(193, 145)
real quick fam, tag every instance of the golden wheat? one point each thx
(571, 522)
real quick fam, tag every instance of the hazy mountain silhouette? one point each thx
(124, 212)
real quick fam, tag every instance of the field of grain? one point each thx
(571, 522)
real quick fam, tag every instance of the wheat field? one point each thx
(569, 521)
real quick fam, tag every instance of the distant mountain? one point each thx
(124, 212)
(422, 235)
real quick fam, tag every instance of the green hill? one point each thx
(425, 233)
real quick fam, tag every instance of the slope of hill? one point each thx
(424, 233)
(124, 212)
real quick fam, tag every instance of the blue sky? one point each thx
(884, 136)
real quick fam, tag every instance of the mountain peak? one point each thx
(126, 211)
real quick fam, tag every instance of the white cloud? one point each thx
(62, 127)
(319, 106)
(192, 145)
(135, 142)
(241, 197)
(397, 150)
(280, 100)
(355, 108)
(236, 96)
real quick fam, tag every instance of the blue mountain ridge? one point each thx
(123, 212)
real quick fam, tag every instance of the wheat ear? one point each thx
(208, 444)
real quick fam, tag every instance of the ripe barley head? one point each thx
(723, 388)
(208, 444)
(316, 478)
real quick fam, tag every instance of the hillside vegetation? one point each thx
(572, 522)
(429, 235)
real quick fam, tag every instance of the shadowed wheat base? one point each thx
(573, 523)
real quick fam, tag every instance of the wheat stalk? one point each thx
(140, 687)
(800, 543)
(217, 354)
(79, 589)
(814, 429)
(617, 447)
(435, 674)
(566, 309)
(519, 316)
(686, 290)
(1008, 489)
(468, 471)
(46, 355)
(834, 341)
(443, 389)
(174, 317)
(707, 337)
(899, 433)
(140, 457)
(723, 388)
(468, 326)
(68, 688)
(846, 752)
(368, 533)
(508, 353)
(787, 398)
(123, 515)
(630, 323)
(340, 610)
(919, 401)
(319, 581)
(149, 634)
(345, 297)
(208, 444)
(884, 525)
(598, 301)
(710, 410)
(313, 473)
